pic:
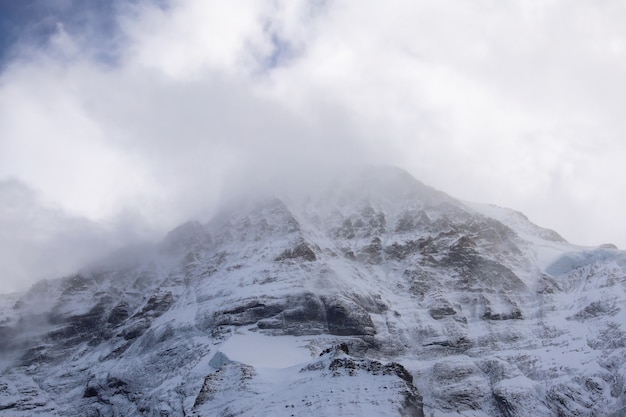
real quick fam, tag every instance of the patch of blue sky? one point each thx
(31, 24)
(282, 52)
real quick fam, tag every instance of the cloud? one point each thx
(41, 241)
(516, 103)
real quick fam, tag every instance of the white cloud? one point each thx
(197, 37)
(39, 240)
(517, 103)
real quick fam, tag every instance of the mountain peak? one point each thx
(439, 308)
(384, 183)
(347, 184)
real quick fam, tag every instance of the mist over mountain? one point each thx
(368, 294)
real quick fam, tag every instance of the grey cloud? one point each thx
(38, 241)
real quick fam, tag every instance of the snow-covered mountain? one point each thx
(373, 296)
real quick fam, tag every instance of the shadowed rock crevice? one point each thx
(301, 252)
(303, 314)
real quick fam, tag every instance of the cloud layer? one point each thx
(516, 103)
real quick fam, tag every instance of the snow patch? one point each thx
(261, 351)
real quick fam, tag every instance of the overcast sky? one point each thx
(121, 119)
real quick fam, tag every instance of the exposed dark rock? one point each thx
(378, 222)
(118, 314)
(497, 369)
(346, 231)
(346, 318)
(611, 336)
(440, 312)
(190, 236)
(215, 382)
(441, 309)
(371, 303)
(427, 246)
(249, 312)
(36, 354)
(514, 401)
(90, 392)
(400, 251)
(412, 220)
(157, 304)
(306, 314)
(75, 284)
(477, 272)
(515, 314)
(570, 400)
(460, 385)
(547, 285)
(117, 384)
(608, 246)
(395, 368)
(405, 223)
(372, 253)
(300, 315)
(342, 347)
(79, 328)
(376, 368)
(8, 406)
(136, 329)
(419, 281)
(301, 251)
(455, 343)
(596, 309)
(413, 403)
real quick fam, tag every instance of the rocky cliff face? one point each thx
(376, 296)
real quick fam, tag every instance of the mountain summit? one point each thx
(374, 295)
